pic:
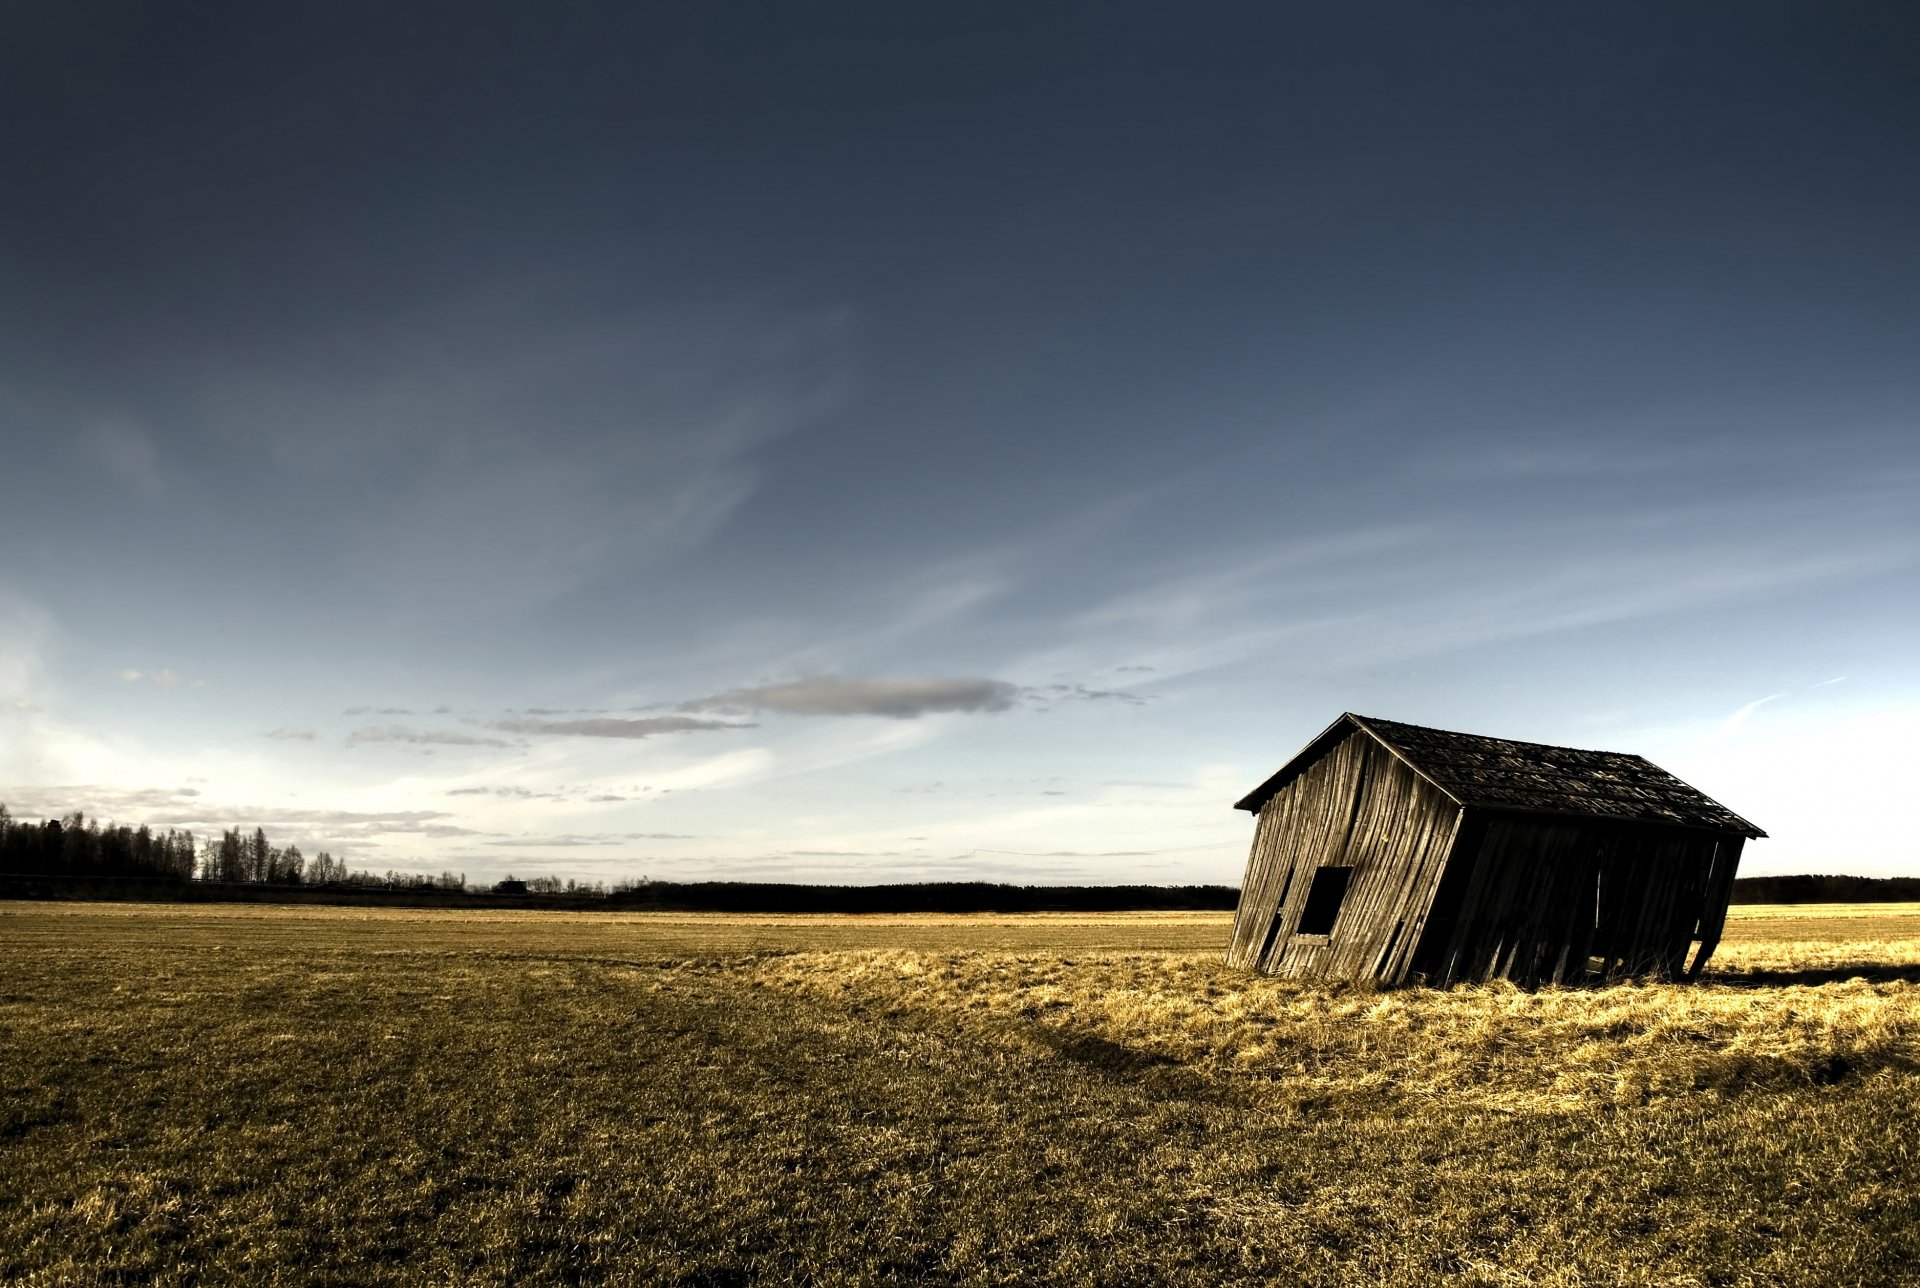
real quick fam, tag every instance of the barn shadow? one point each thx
(1118, 1062)
(1094, 1052)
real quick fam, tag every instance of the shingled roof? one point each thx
(1533, 777)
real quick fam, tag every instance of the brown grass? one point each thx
(247, 1094)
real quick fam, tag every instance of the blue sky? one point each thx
(887, 442)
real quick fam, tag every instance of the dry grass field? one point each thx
(309, 1095)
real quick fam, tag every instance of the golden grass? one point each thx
(279, 1094)
(1491, 1047)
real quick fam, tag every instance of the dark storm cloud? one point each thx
(900, 698)
(616, 726)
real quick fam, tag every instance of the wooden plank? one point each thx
(1719, 890)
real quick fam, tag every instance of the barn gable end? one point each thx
(1392, 852)
(1357, 808)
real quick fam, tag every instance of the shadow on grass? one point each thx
(1872, 973)
(1104, 1056)
(1117, 1062)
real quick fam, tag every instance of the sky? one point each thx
(880, 442)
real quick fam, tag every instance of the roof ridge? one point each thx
(1484, 771)
(1489, 737)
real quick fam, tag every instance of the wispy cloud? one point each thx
(1196, 596)
(843, 854)
(186, 807)
(1545, 602)
(428, 822)
(616, 726)
(291, 734)
(428, 737)
(1081, 693)
(164, 677)
(1731, 725)
(572, 840)
(108, 802)
(902, 698)
(471, 503)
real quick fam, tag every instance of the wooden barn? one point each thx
(1402, 854)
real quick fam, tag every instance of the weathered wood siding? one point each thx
(1358, 806)
(1540, 900)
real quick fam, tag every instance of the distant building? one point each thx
(1396, 853)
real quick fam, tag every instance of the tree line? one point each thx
(77, 846)
(74, 846)
(919, 897)
(59, 851)
(1825, 888)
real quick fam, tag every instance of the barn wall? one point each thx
(1358, 806)
(1562, 900)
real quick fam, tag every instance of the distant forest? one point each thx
(1813, 888)
(76, 857)
(76, 846)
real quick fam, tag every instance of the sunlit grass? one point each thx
(399, 1096)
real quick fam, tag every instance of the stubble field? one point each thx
(353, 1096)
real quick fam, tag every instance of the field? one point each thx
(353, 1096)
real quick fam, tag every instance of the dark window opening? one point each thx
(1324, 897)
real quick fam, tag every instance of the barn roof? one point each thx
(1531, 777)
